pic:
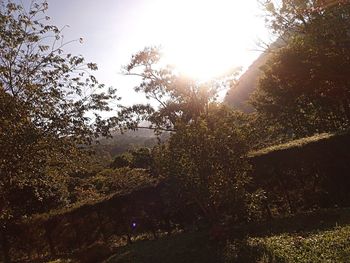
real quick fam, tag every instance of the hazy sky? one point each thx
(203, 38)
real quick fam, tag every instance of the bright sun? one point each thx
(204, 39)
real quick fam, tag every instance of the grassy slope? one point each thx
(181, 248)
(282, 242)
(319, 246)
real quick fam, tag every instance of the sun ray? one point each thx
(203, 39)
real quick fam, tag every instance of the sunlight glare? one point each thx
(204, 39)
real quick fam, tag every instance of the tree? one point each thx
(177, 99)
(207, 160)
(121, 180)
(305, 87)
(120, 161)
(204, 159)
(135, 158)
(45, 94)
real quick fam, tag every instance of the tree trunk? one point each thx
(101, 228)
(346, 105)
(285, 191)
(268, 210)
(5, 247)
(287, 197)
(128, 237)
(154, 233)
(50, 241)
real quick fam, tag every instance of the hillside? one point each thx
(120, 143)
(312, 237)
(239, 94)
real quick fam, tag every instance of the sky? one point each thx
(203, 38)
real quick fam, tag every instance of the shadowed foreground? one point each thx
(311, 237)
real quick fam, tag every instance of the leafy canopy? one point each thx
(176, 98)
(206, 161)
(45, 95)
(305, 87)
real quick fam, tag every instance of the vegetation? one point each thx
(178, 99)
(44, 97)
(299, 143)
(305, 85)
(319, 246)
(67, 192)
(300, 238)
(189, 247)
(206, 160)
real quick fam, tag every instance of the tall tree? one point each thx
(176, 99)
(206, 161)
(306, 85)
(45, 95)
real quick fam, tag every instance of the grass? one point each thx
(331, 245)
(319, 246)
(299, 143)
(318, 237)
(181, 248)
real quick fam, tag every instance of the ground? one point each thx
(322, 236)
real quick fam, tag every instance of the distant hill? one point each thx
(121, 143)
(238, 95)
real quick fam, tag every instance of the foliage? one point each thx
(25, 179)
(141, 158)
(45, 95)
(289, 17)
(319, 246)
(279, 239)
(300, 143)
(202, 170)
(111, 181)
(286, 237)
(204, 159)
(136, 158)
(78, 227)
(305, 87)
(128, 140)
(189, 247)
(304, 174)
(207, 160)
(178, 99)
(121, 160)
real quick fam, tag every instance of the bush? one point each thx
(320, 246)
(206, 161)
